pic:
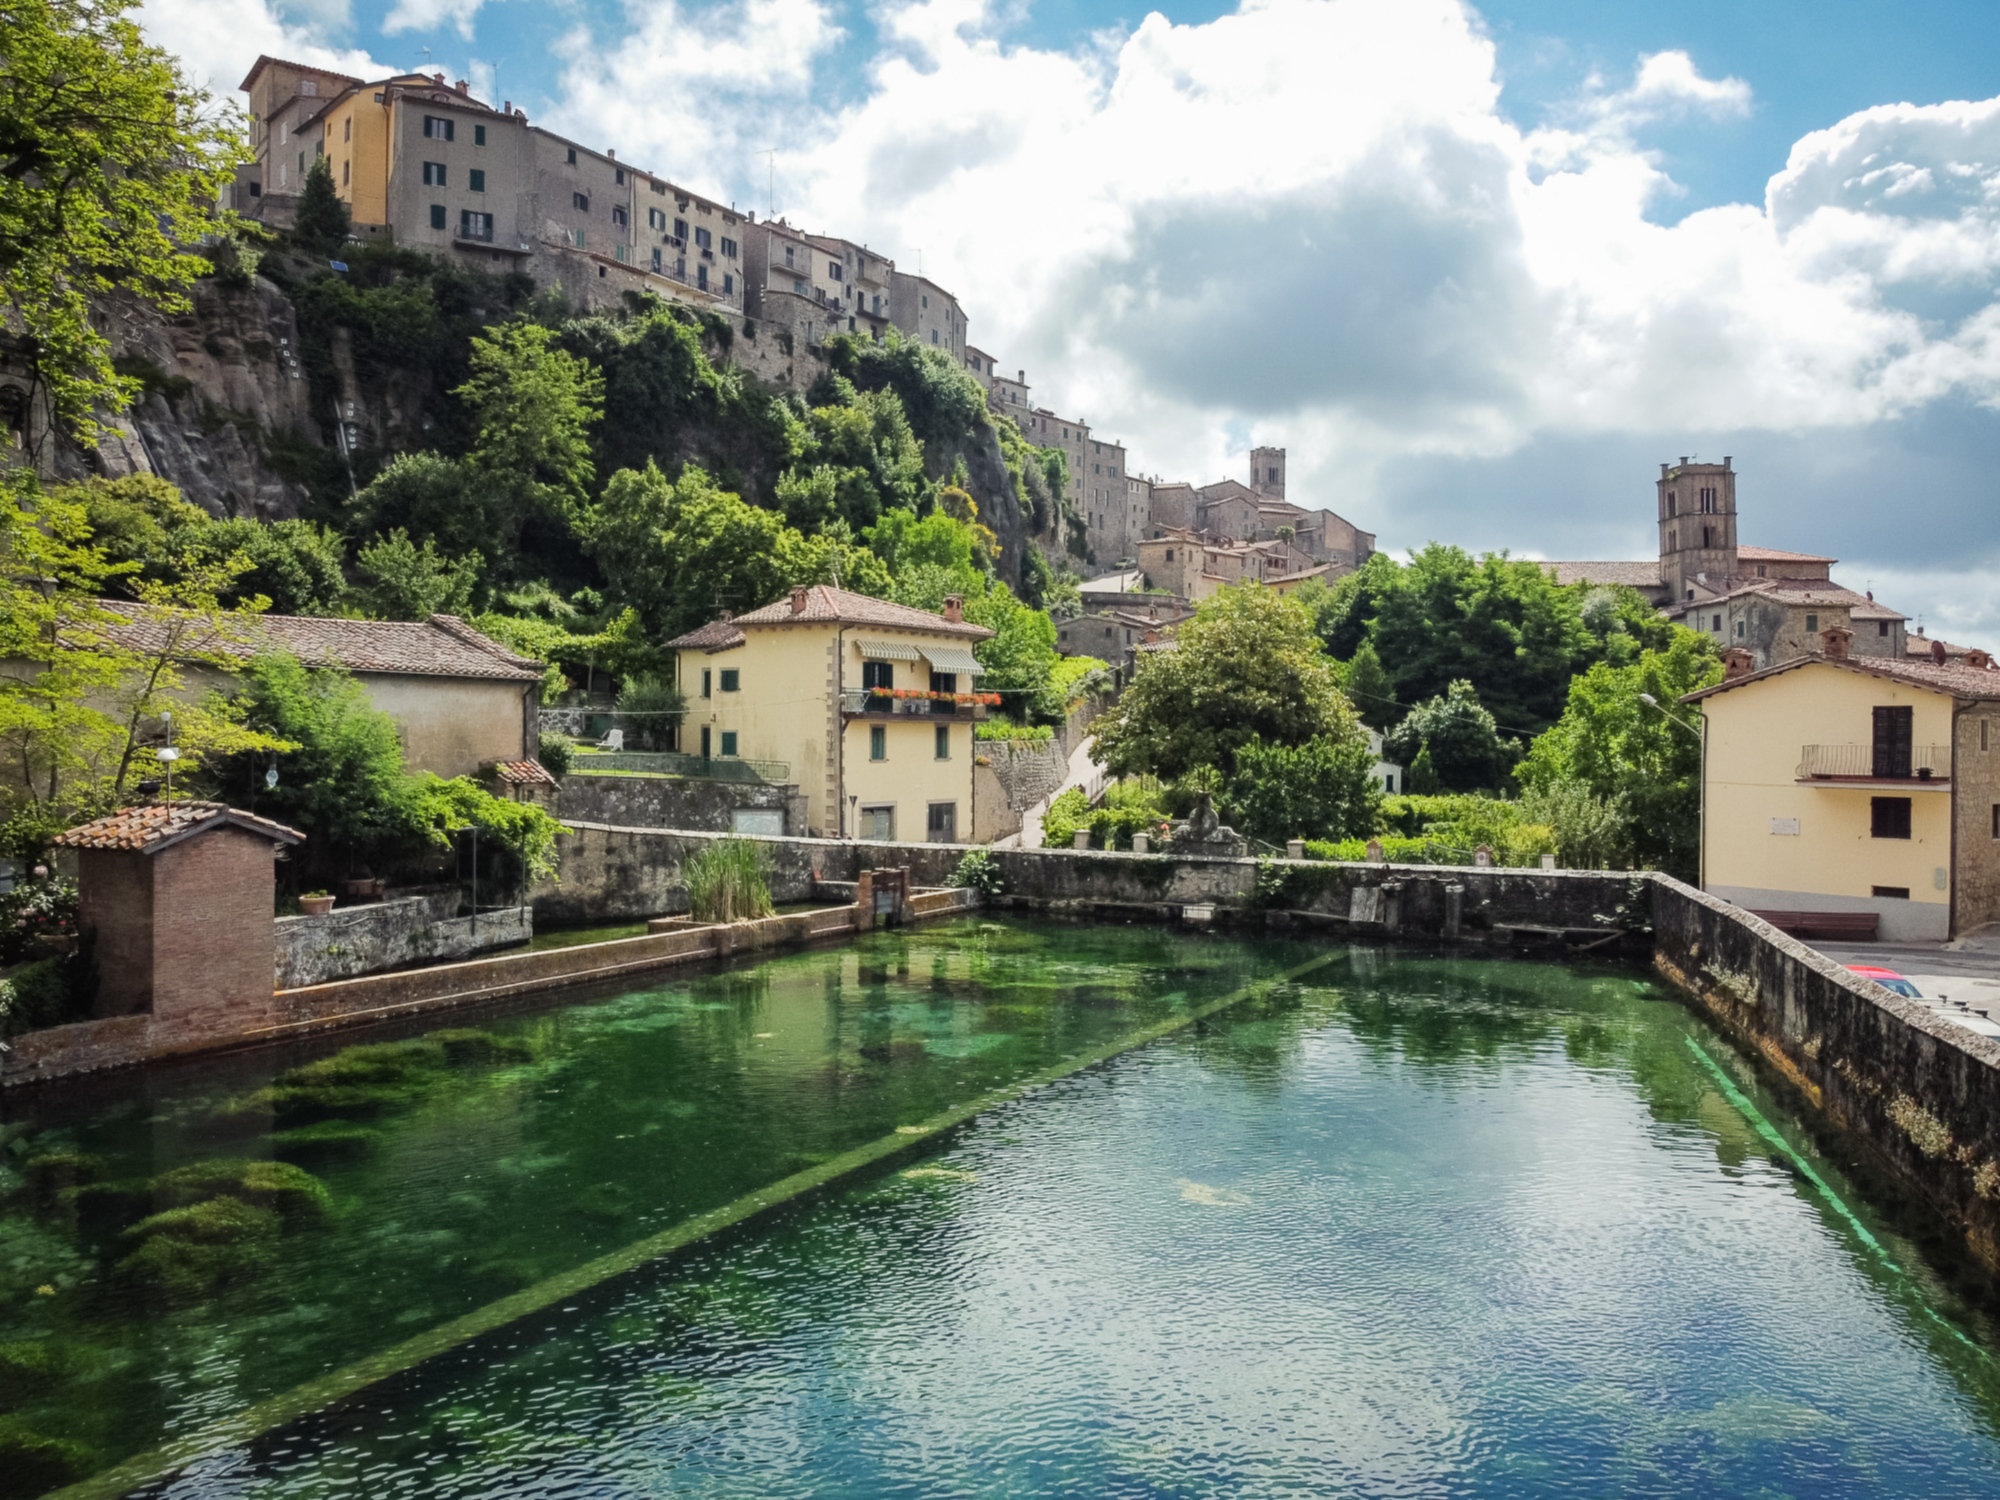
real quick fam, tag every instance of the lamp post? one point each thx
(167, 755)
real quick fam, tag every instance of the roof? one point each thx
(1954, 679)
(522, 773)
(442, 646)
(1114, 583)
(1803, 591)
(1772, 554)
(827, 605)
(158, 825)
(1638, 575)
(716, 635)
(1916, 643)
(265, 60)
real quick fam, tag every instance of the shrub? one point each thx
(727, 882)
(656, 705)
(1131, 806)
(555, 751)
(977, 872)
(1324, 788)
(33, 909)
(51, 992)
(1006, 729)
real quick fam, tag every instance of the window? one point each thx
(1890, 892)
(729, 248)
(347, 128)
(680, 229)
(788, 255)
(1760, 570)
(308, 88)
(1888, 817)
(1739, 630)
(579, 245)
(707, 680)
(475, 226)
(479, 135)
(942, 737)
(878, 742)
(572, 156)
(925, 300)
(476, 179)
(704, 737)
(434, 174)
(580, 202)
(437, 216)
(1893, 733)
(1983, 726)
(942, 825)
(1717, 626)
(656, 257)
(878, 674)
(437, 129)
(728, 285)
(728, 742)
(344, 168)
(701, 277)
(658, 187)
(618, 176)
(656, 218)
(833, 272)
(256, 189)
(934, 336)
(1812, 624)
(1881, 627)
(703, 240)
(732, 680)
(1996, 820)
(619, 216)
(878, 823)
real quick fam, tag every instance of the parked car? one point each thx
(1889, 979)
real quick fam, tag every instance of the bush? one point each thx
(1130, 806)
(33, 909)
(656, 706)
(1324, 788)
(1006, 729)
(727, 882)
(555, 752)
(1464, 744)
(977, 872)
(52, 992)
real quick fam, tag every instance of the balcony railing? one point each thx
(1860, 763)
(953, 706)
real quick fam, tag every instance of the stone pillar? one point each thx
(1295, 848)
(1392, 905)
(1454, 909)
(1080, 839)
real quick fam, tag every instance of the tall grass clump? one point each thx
(727, 882)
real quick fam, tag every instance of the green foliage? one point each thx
(1246, 667)
(556, 752)
(524, 830)
(1132, 806)
(48, 992)
(1369, 688)
(438, 499)
(1631, 757)
(1465, 751)
(978, 871)
(656, 705)
(408, 582)
(1322, 789)
(322, 222)
(941, 401)
(728, 882)
(577, 644)
(1007, 729)
(35, 909)
(1455, 825)
(112, 167)
(532, 405)
(1591, 832)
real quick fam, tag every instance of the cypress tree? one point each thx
(323, 221)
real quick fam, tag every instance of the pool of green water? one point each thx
(1403, 1225)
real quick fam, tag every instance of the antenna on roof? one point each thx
(770, 155)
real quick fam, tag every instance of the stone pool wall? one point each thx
(378, 935)
(1922, 1094)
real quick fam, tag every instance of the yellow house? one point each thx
(1834, 783)
(870, 706)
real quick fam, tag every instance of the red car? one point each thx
(1889, 979)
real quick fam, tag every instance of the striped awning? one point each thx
(888, 650)
(953, 659)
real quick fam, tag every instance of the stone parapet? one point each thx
(354, 940)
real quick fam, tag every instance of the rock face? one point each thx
(220, 381)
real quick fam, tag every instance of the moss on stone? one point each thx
(185, 1254)
(32, 1463)
(28, 1368)
(48, 1174)
(292, 1192)
(326, 1140)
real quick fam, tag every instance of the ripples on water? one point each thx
(1416, 1227)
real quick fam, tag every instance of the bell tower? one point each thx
(1697, 511)
(1267, 472)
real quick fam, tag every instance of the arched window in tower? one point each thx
(1673, 540)
(1706, 534)
(1670, 502)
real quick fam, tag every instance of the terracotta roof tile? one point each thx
(1772, 554)
(522, 773)
(153, 826)
(825, 605)
(716, 635)
(442, 646)
(1955, 678)
(1638, 575)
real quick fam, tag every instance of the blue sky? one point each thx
(1480, 268)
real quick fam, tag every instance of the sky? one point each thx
(1481, 269)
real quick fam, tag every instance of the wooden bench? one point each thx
(1860, 925)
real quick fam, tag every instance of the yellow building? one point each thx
(1836, 783)
(869, 705)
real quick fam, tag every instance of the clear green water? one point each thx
(1408, 1226)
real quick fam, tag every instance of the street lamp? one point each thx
(1651, 702)
(167, 755)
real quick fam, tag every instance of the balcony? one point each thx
(875, 703)
(1928, 766)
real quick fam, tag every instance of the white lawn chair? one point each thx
(614, 739)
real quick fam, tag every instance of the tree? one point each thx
(322, 222)
(112, 165)
(1322, 789)
(1457, 737)
(1369, 689)
(1633, 756)
(681, 551)
(414, 583)
(532, 405)
(1247, 666)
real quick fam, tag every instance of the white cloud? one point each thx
(218, 40)
(429, 15)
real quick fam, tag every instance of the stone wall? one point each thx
(643, 801)
(1920, 1093)
(381, 935)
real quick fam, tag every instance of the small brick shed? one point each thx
(180, 899)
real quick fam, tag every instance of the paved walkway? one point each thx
(1961, 978)
(1083, 772)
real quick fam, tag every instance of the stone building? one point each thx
(1107, 504)
(1045, 429)
(928, 313)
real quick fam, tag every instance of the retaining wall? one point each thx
(652, 801)
(1922, 1094)
(378, 935)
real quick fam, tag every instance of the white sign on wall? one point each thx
(1788, 827)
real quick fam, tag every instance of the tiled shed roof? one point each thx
(825, 604)
(1772, 554)
(442, 646)
(522, 773)
(154, 826)
(716, 635)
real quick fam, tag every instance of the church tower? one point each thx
(1267, 472)
(1697, 509)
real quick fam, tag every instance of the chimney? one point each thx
(1833, 642)
(1979, 661)
(1737, 662)
(799, 600)
(462, 86)
(1024, 377)
(954, 608)
(1938, 653)
(437, 78)
(612, 154)
(1684, 460)
(507, 107)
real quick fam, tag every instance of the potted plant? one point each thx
(316, 903)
